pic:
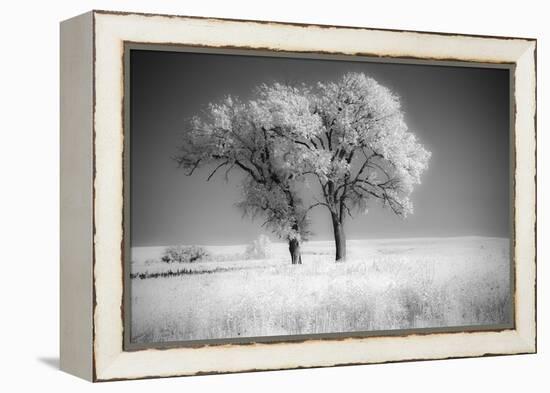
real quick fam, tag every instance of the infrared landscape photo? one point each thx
(276, 197)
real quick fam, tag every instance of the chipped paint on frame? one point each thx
(111, 362)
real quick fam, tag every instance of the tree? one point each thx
(350, 136)
(362, 149)
(237, 135)
(282, 209)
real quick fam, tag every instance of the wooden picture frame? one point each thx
(94, 248)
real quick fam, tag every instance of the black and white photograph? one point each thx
(257, 197)
(279, 196)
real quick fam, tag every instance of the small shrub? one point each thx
(180, 254)
(259, 248)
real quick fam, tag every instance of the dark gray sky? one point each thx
(460, 114)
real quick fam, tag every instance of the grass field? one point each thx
(384, 284)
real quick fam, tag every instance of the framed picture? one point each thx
(245, 195)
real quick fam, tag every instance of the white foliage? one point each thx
(349, 135)
(259, 248)
(366, 125)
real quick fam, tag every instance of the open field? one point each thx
(384, 284)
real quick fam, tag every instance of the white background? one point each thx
(29, 197)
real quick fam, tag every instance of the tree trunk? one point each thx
(295, 254)
(339, 237)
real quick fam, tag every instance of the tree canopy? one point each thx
(237, 135)
(349, 136)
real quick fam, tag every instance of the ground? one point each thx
(383, 285)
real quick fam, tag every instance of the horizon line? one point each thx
(330, 240)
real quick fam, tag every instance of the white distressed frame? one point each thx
(111, 30)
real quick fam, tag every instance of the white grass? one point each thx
(384, 284)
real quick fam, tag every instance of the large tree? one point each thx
(350, 136)
(362, 149)
(239, 135)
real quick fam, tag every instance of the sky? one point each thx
(460, 114)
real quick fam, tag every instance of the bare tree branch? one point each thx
(216, 169)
